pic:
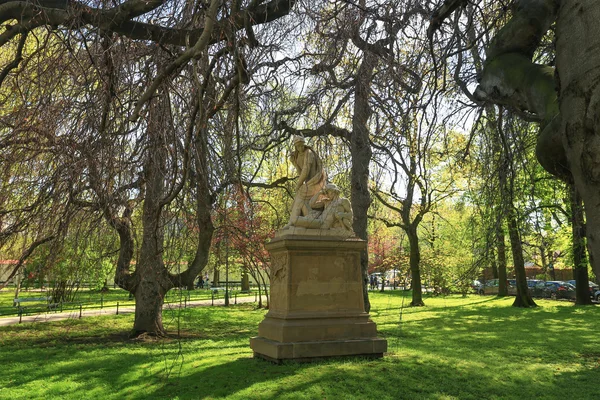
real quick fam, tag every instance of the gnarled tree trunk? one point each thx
(152, 280)
(578, 72)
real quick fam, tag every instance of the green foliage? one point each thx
(78, 259)
(448, 252)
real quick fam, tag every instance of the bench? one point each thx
(17, 302)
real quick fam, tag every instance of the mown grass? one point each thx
(89, 299)
(454, 348)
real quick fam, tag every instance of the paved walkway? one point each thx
(57, 316)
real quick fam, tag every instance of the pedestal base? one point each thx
(307, 351)
(316, 307)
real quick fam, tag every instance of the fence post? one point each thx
(117, 308)
(80, 309)
(185, 302)
(102, 301)
(212, 297)
(235, 296)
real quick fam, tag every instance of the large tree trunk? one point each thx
(495, 263)
(204, 205)
(152, 278)
(360, 149)
(502, 289)
(150, 292)
(245, 285)
(580, 265)
(415, 262)
(569, 142)
(523, 298)
(577, 66)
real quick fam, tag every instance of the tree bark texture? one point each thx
(523, 297)
(501, 246)
(580, 264)
(578, 71)
(152, 278)
(415, 263)
(360, 149)
(565, 101)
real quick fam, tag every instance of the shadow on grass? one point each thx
(389, 378)
(466, 352)
(442, 351)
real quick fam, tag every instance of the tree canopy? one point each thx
(167, 124)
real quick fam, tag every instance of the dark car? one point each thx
(531, 286)
(532, 282)
(554, 290)
(593, 287)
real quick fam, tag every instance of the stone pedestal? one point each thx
(316, 305)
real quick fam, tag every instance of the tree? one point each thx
(562, 99)
(450, 237)
(580, 264)
(352, 54)
(414, 150)
(123, 157)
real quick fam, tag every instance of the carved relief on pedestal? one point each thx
(278, 267)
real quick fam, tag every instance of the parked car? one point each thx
(554, 290)
(532, 282)
(490, 287)
(512, 287)
(477, 286)
(594, 287)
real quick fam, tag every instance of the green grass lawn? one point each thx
(90, 299)
(454, 348)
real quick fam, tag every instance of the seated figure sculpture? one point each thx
(311, 177)
(318, 208)
(336, 211)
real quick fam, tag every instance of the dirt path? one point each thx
(58, 316)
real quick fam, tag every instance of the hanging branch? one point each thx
(24, 257)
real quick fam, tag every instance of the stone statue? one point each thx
(336, 211)
(318, 209)
(311, 178)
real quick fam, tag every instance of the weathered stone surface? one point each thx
(305, 351)
(295, 231)
(316, 307)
